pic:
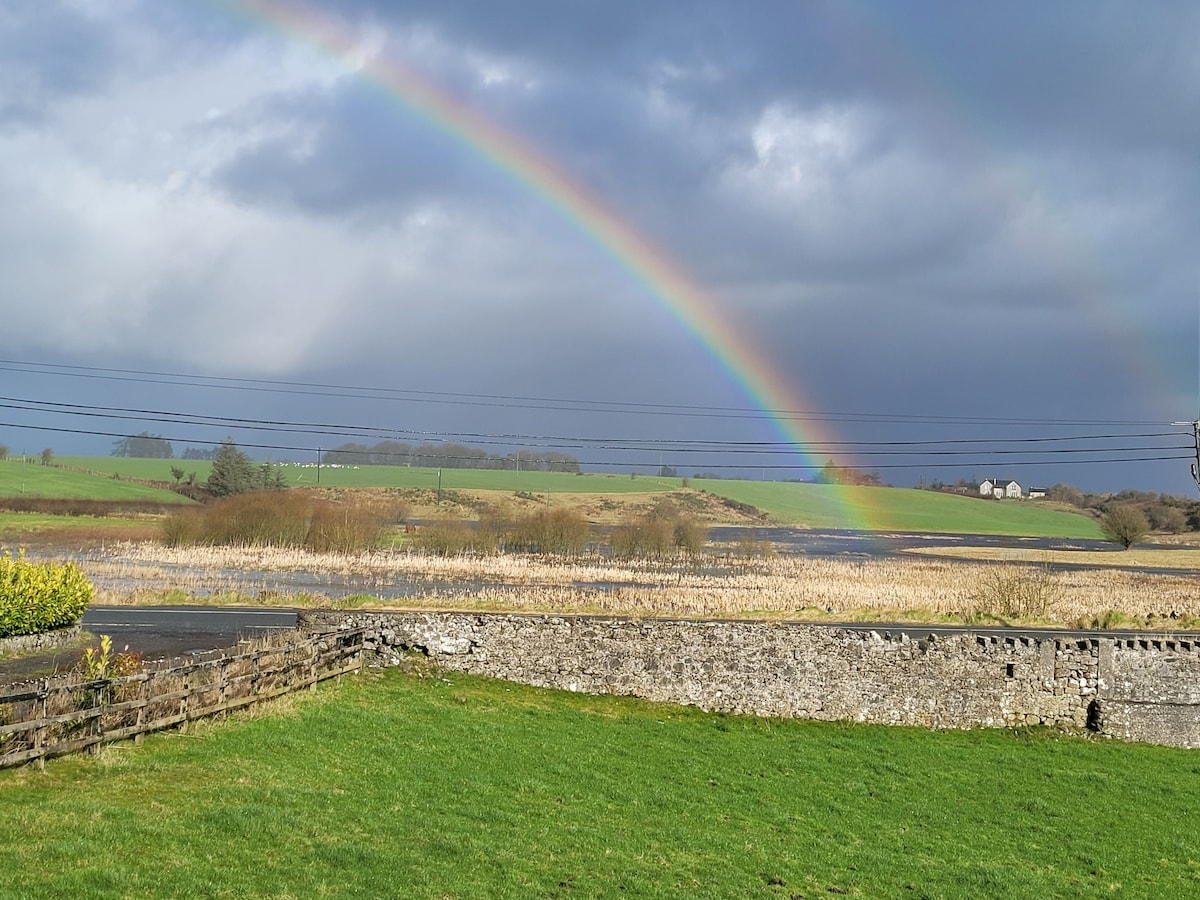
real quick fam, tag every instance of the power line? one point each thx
(714, 466)
(609, 443)
(529, 402)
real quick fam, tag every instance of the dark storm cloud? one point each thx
(46, 53)
(932, 207)
(351, 149)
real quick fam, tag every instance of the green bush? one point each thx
(37, 597)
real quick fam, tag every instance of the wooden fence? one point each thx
(56, 716)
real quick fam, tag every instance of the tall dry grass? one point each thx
(792, 587)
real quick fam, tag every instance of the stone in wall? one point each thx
(963, 680)
(47, 640)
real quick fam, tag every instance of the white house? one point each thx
(999, 488)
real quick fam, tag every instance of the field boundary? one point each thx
(63, 715)
(1139, 688)
(42, 640)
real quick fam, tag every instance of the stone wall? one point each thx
(47, 640)
(1134, 689)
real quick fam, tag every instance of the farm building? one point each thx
(999, 488)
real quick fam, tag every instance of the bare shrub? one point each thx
(342, 528)
(646, 537)
(184, 528)
(749, 545)
(277, 519)
(451, 537)
(1015, 592)
(561, 531)
(659, 533)
(1124, 524)
(690, 535)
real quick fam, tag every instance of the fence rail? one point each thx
(57, 716)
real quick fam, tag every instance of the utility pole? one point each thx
(318, 465)
(1196, 439)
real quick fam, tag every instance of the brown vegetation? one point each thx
(281, 519)
(919, 589)
(61, 506)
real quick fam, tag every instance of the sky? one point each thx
(934, 239)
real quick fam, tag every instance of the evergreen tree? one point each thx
(232, 471)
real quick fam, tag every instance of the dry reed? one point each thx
(794, 586)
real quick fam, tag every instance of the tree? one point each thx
(232, 471)
(177, 474)
(144, 446)
(47, 456)
(3, 451)
(1124, 524)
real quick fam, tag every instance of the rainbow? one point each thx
(694, 308)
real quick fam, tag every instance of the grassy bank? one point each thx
(459, 787)
(19, 479)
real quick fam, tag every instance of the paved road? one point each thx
(158, 632)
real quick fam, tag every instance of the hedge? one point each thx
(37, 597)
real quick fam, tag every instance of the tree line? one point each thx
(448, 456)
(153, 446)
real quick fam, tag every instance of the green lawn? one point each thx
(450, 786)
(35, 480)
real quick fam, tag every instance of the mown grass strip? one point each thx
(461, 787)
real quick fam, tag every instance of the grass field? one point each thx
(901, 509)
(450, 786)
(35, 480)
(810, 505)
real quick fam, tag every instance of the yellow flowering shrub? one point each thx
(40, 596)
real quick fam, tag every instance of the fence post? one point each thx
(140, 736)
(99, 701)
(39, 733)
(183, 701)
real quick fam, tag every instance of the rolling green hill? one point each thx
(811, 505)
(901, 509)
